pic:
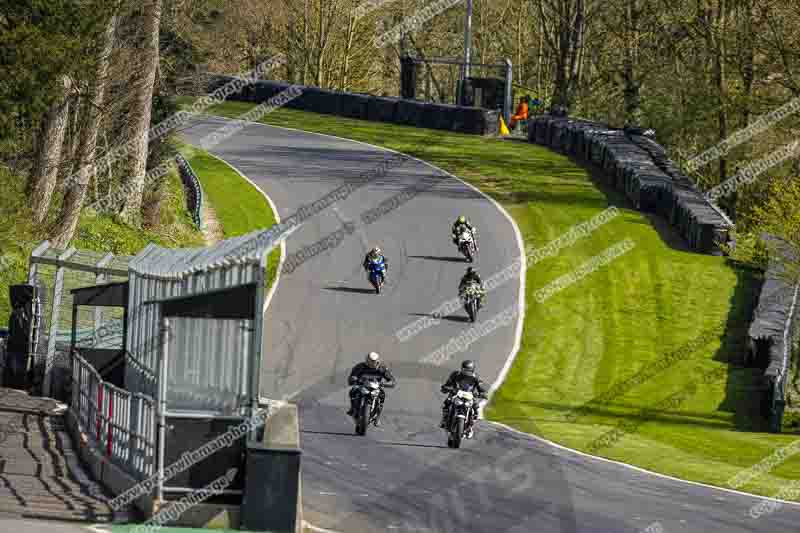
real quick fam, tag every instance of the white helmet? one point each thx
(372, 359)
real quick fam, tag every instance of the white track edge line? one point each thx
(637, 468)
(312, 527)
(518, 341)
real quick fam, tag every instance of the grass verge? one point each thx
(240, 207)
(603, 329)
(97, 232)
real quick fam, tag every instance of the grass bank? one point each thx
(95, 231)
(605, 328)
(239, 206)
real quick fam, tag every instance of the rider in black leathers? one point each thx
(464, 379)
(470, 276)
(371, 367)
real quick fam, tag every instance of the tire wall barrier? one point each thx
(775, 328)
(194, 193)
(415, 113)
(638, 167)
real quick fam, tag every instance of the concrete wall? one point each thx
(117, 481)
(273, 495)
(112, 477)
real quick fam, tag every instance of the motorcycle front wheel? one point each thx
(363, 419)
(458, 433)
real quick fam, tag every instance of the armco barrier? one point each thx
(415, 113)
(194, 193)
(638, 167)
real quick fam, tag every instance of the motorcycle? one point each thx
(377, 274)
(460, 417)
(467, 246)
(471, 296)
(369, 390)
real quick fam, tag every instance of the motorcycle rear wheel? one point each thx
(472, 310)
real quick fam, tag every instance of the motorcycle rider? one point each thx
(375, 255)
(465, 379)
(371, 367)
(472, 276)
(459, 225)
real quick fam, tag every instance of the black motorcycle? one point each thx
(461, 416)
(471, 296)
(367, 402)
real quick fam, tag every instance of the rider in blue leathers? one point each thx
(375, 255)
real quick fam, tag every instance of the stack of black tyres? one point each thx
(639, 168)
(353, 105)
(382, 108)
(414, 113)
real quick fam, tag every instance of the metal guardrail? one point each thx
(119, 423)
(194, 196)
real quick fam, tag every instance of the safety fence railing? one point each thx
(55, 272)
(194, 192)
(120, 424)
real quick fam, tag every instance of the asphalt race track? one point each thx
(323, 319)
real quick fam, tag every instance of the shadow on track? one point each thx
(374, 442)
(439, 258)
(451, 318)
(356, 290)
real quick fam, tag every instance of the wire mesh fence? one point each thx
(55, 273)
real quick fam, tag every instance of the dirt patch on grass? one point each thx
(212, 228)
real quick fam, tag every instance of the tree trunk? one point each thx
(76, 193)
(633, 112)
(348, 50)
(748, 58)
(566, 45)
(50, 141)
(136, 167)
(539, 59)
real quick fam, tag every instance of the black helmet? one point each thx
(468, 367)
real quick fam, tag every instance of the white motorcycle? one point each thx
(467, 246)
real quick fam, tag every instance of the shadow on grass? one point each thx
(614, 411)
(665, 231)
(745, 390)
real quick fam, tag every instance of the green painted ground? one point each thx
(601, 330)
